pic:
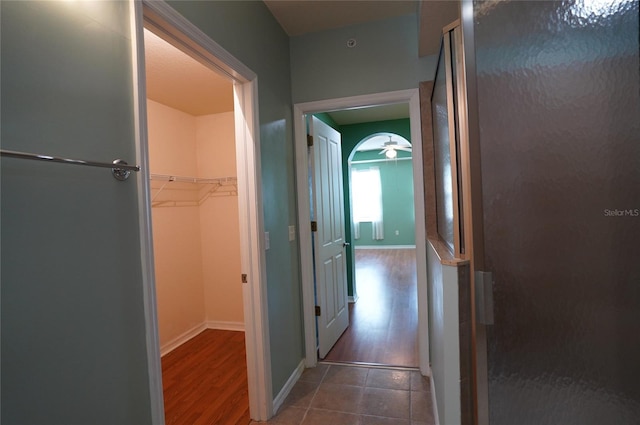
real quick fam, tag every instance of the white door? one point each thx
(329, 243)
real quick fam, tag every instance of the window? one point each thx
(366, 191)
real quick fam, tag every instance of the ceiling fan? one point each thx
(390, 148)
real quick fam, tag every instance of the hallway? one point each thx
(383, 322)
(355, 395)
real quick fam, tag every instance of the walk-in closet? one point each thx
(196, 236)
(195, 223)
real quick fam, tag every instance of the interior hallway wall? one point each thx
(385, 58)
(249, 32)
(73, 315)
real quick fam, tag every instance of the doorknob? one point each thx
(346, 244)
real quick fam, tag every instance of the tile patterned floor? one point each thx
(356, 395)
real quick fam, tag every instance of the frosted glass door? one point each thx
(559, 111)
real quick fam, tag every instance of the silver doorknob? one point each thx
(346, 244)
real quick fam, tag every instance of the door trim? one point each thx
(410, 96)
(180, 32)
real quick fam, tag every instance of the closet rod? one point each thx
(182, 179)
(119, 168)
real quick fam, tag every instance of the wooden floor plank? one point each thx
(383, 323)
(205, 380)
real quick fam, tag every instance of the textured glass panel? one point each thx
(442, 154)
(559, 110)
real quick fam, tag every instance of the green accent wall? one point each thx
(249, 32)
(352, 135)
(326, 118)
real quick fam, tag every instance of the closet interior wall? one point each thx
(196, 245)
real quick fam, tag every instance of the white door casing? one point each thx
(410, 96)
(329, 240)
(176, 29)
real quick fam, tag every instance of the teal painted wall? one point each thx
(397, 203)
(249, 32)
(352, 135)
(326, 118)
(73, 326)
(384, 59)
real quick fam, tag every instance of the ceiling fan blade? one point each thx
(403, 148)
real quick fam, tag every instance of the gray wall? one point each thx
(73, 337)
(384, 59)
(248, 31)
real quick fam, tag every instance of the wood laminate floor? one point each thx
(383, 323)
(205, 380)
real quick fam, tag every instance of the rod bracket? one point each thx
(120, 173)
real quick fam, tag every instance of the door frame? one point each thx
(411, 97)
(180, 32)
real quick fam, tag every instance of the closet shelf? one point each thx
(177, 191)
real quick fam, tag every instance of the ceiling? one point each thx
(177, 80)
(206, 92)
(298, 17)
(376, 142)
(306, 16)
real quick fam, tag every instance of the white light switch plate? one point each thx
(292, 233)
(266, 240)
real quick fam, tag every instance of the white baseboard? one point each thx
(385, 247)
(225, 326)
(186, 336)
(433, 398)
(181, 339)
(353, 299)
(286, 389)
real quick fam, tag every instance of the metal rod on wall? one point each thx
(119, 168)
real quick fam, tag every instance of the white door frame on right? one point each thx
(304, 215)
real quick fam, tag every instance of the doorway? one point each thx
(161, 19)
(192, 165)
(300, 111)
(381, 224)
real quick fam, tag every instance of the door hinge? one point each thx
(318, 311)
(244, 278)
(314, 226)
(309, 140)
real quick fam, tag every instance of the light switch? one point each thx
(266, 240)
(292, 233)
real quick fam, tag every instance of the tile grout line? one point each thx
(359, 406)
(315, 392)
